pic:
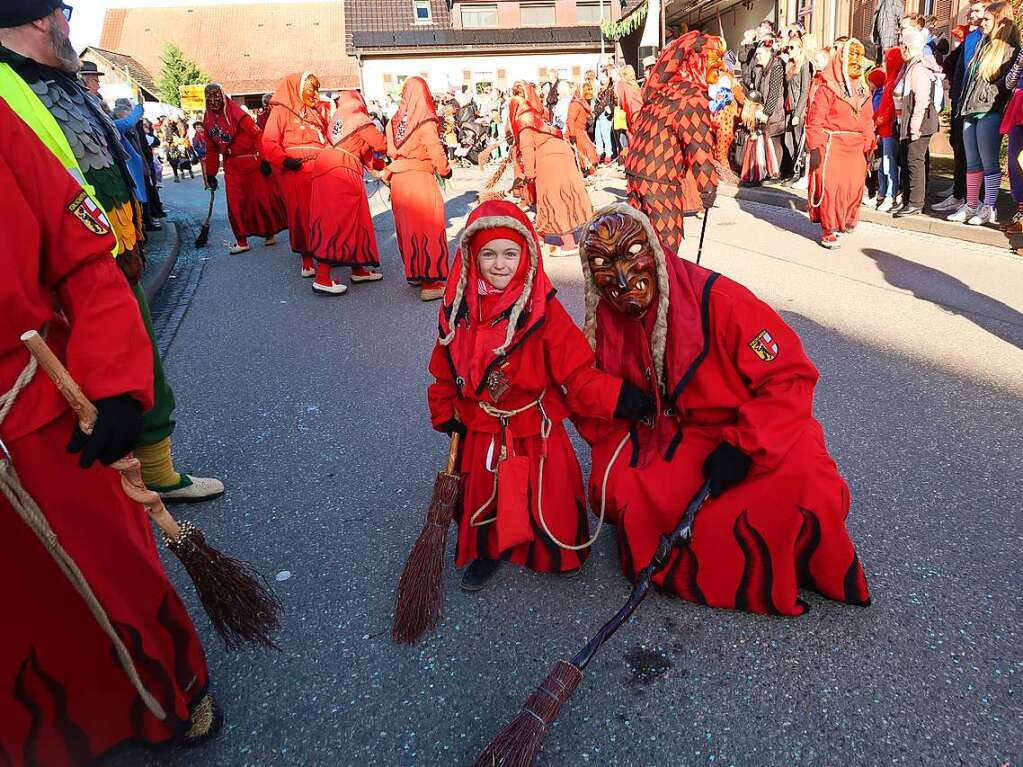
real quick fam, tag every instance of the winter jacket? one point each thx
(920, 115)
(980, 96)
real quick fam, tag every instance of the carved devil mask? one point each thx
(622, 262)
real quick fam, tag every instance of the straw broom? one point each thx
(233, 594)
(419, 603)
(204, 232)
(518, 744)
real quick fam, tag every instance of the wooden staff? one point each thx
(234, 595)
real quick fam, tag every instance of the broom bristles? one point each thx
(519, 742)
(240, 605)
(204, 236)
(419, 603)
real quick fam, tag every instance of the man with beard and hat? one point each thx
(98, 649)
(38, 79)
(253, 207)
(734, 391)
(671, 144)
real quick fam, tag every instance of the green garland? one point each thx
(616, 30)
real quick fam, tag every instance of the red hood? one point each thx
(223, 125)
(416, 108)
(350, 116)
(476, 335)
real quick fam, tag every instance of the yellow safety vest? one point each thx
(26, 104)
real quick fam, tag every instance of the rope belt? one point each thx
(824, 162)
(32, 515)
(545, 430)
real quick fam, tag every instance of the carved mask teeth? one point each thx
(641, 285)
(614, 292)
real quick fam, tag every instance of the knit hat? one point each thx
(14, 13)
(483, 236)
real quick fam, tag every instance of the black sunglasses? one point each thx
(66, 10)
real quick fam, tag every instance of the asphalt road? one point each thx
(313, 412)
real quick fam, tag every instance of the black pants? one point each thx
(959, 158)
(913, 163)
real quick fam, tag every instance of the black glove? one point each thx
(448, 175)
(292, 163)
(265, 169)
(212, 183)
(453, 425)
(633, 403)
(118, 425)
(724, 467)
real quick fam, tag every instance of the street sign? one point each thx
(193, 97)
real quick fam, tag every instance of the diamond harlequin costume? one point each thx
(514, 351)
(65, 699)
(671, 144)
(724, 368)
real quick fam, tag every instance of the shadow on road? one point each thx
(951, 294)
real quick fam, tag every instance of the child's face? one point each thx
(498, 261)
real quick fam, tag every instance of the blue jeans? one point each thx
(888, 175)
(982, 140)
(602, 133)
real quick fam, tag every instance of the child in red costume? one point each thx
(294, 136)
(66, 697)
(510, 365)
(340, 225)
(253, 205)
(577, 127)
(734, 392)
(840, 138)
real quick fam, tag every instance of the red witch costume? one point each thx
(672, 138)
(839, 137)
(725, 368)
(548, 164)
(65, 695)
(413, 143)
(579, 113)
(253, 206)
(521, 188)
(510, 365)
(341, 227)
(295, 134)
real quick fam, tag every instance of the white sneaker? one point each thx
(308, 272)
(886, 205)
(961, 215)
(949, 203)
(193, 489)
(334, 289)
(236, 249)
(985, 214)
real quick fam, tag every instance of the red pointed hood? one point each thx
(223, 124)
(683, 60)
(836, 77)
(478, 336)
(416, 108)
(350, 116)
(289, 96)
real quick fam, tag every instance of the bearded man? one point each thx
(38, 68)
(735, 394)
(671, 139)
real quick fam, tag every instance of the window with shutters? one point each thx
(804, 13)
(478, 15)
(589, 13)
(861, 19)
(927, 7)
(537, 15)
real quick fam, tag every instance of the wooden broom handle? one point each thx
(456, 438)
(129, 466)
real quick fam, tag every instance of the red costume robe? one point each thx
(671, 145)
(341, 227)
(549, 166)
(475, 359)
(579, 112)
(730, 370)
(416, 153)
(297, 131)
(64, 697)
(839, 137)
(522, 189)
(253, 206)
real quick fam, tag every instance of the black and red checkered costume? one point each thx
(672, 143)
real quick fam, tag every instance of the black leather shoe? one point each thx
(908, 210)
(478, 573)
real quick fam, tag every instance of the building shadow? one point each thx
(951, 294)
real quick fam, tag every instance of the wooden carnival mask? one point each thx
(311, 91)
(621, 260)
(854, 60)
(214, 98)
